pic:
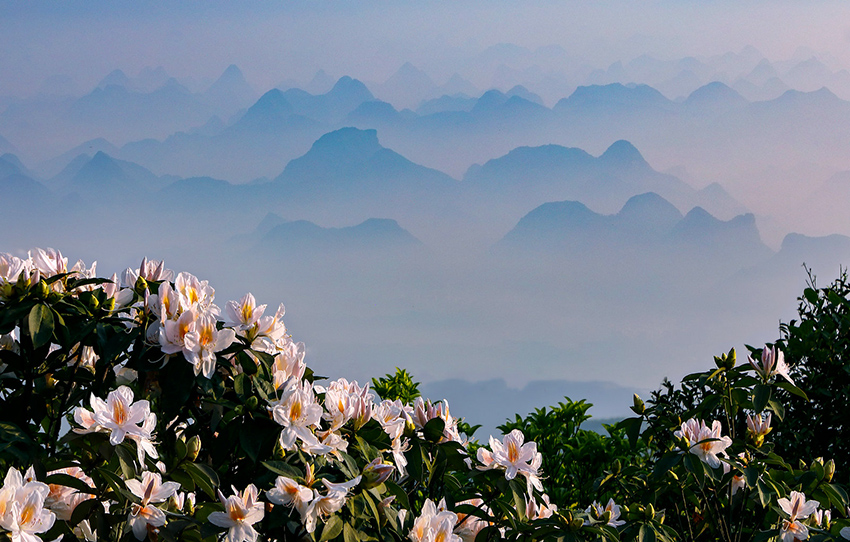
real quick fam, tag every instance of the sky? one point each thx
(272, 42)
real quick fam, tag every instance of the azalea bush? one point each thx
(714, 471)
(817, 346)
(135, 408)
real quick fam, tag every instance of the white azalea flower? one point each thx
(11, 267)
(62, 500)
(151, 489)
(434, 524)
(703, 441)
(468, 526)
(118, 415)
(772, 363)
(515, 457)
(243, 314)
(49, 262)
(150, 270)
(142, 519)
(241, 512)
(22, 511)
(298, 413)
(203, 341)
(195, 293)
(797, 508)
(289, 364)
(596, 510)
(288, 492)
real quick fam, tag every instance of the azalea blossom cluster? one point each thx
(22, 506)
(706, 442)
(336, 452)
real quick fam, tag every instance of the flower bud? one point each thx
(252, 402)
(141, 285)
(41, 290)
(638, 406)
(829, 470)
(194, 448)
(376, 473)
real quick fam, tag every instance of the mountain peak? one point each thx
(115, 77)
(714, 93)
(623, 154)
(348, 141)
(349, 85)
(232, 71)
(650, 207)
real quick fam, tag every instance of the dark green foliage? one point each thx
(573, 458)
(398, 386)
(817, 346)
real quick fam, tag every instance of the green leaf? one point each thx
(791, 388)
(242, 386)
(247, 362)
(433, 430)
(204, 476)
(761, 396)
(400, 495)
(349, 534)
(777, 409)
(763, 492)
(694, 465)
(836, 495)
(667, 462)
(127, 460)
(67, 480)
(40, 325)
(283, 468)
(751, 475)
(333, 526)
(646, 533)
(82, 510)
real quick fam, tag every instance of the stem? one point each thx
(56, 423)
(685, 503)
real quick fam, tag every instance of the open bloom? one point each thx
(772, 363)
(62, 500)
(468, 526)
(298, 412)
(515, 457)
(151, 488)
(434, 524)
(612, 509)
(288, 492)
(201, 344)
(241, 512)
(118, 415)
(703, 441)
(22, 511)
(797, 508)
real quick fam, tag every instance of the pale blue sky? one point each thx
(371, 39)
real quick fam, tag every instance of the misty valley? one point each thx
(506, 252)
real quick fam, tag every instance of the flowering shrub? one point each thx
(134, 408)
(714, 473)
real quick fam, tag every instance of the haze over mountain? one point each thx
(465, 190)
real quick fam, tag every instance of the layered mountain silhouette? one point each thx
(528, 176)
(648, 235)
(302, 238)
(106, 177)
